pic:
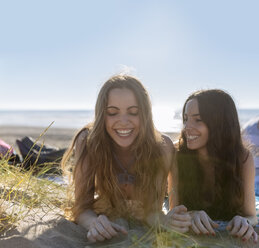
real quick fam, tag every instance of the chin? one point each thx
(124, 145)
(192, 148)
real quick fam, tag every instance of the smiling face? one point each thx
(195, 130)
(122, 117)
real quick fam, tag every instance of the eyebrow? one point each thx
(194, 115)
(109, 107)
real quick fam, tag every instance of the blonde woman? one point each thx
(121, 164)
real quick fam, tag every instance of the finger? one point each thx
(213, 223)
(181, 208)
(99, 227)
(195, 228)
(90, 237)
(96, 235)
(108, 226)
(182, 217)
(180, 229)
(200, 226)
(248, 234)
(230, 225)
(255, 235)
(119, 228)
(177, 223)
(243, 229)
(178, 209)
(206, 223)
(236, 226)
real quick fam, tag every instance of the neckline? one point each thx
(122, 166)
(125, 177)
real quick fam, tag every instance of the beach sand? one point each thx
(48, 228)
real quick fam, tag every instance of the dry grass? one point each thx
(24, 195)
(22, 192)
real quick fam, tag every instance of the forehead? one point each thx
(192, 107)
(121, 97)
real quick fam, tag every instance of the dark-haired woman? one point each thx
(215, 171)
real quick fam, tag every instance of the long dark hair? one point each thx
(226, 153)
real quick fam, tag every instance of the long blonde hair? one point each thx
(100, 176)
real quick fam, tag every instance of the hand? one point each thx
(178, 219)
(202, 223)
(240, 227)
(102, 228)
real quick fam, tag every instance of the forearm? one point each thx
(86, 218)
(156, 218)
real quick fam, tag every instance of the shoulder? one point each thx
(83, 133)
(168, 150)
(81, 136)
(248, 158)
(80, 141)
(167, 142)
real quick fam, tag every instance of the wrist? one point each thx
(86, 219)
(251, 220)
(156, 219)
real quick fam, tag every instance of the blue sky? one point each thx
(55, 54)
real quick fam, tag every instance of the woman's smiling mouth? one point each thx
(124, 132)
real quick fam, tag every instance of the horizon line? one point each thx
(91, 109)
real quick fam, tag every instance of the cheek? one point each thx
(206, 135)
(108, 123)
(137, 123)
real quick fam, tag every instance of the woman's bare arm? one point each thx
(241, 226)
(88, 216)
(248, 173)
(99, 227)
(173, 182)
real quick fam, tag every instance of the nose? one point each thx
(124, 119)
(187, 125)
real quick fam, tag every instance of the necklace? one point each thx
(125, 177)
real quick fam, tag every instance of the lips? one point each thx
(192, 137)
(124, 132)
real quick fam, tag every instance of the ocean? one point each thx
(165, 119)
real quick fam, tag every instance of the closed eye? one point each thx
(112, 111)
(111, 114)
(133, 113)
(133, 110)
